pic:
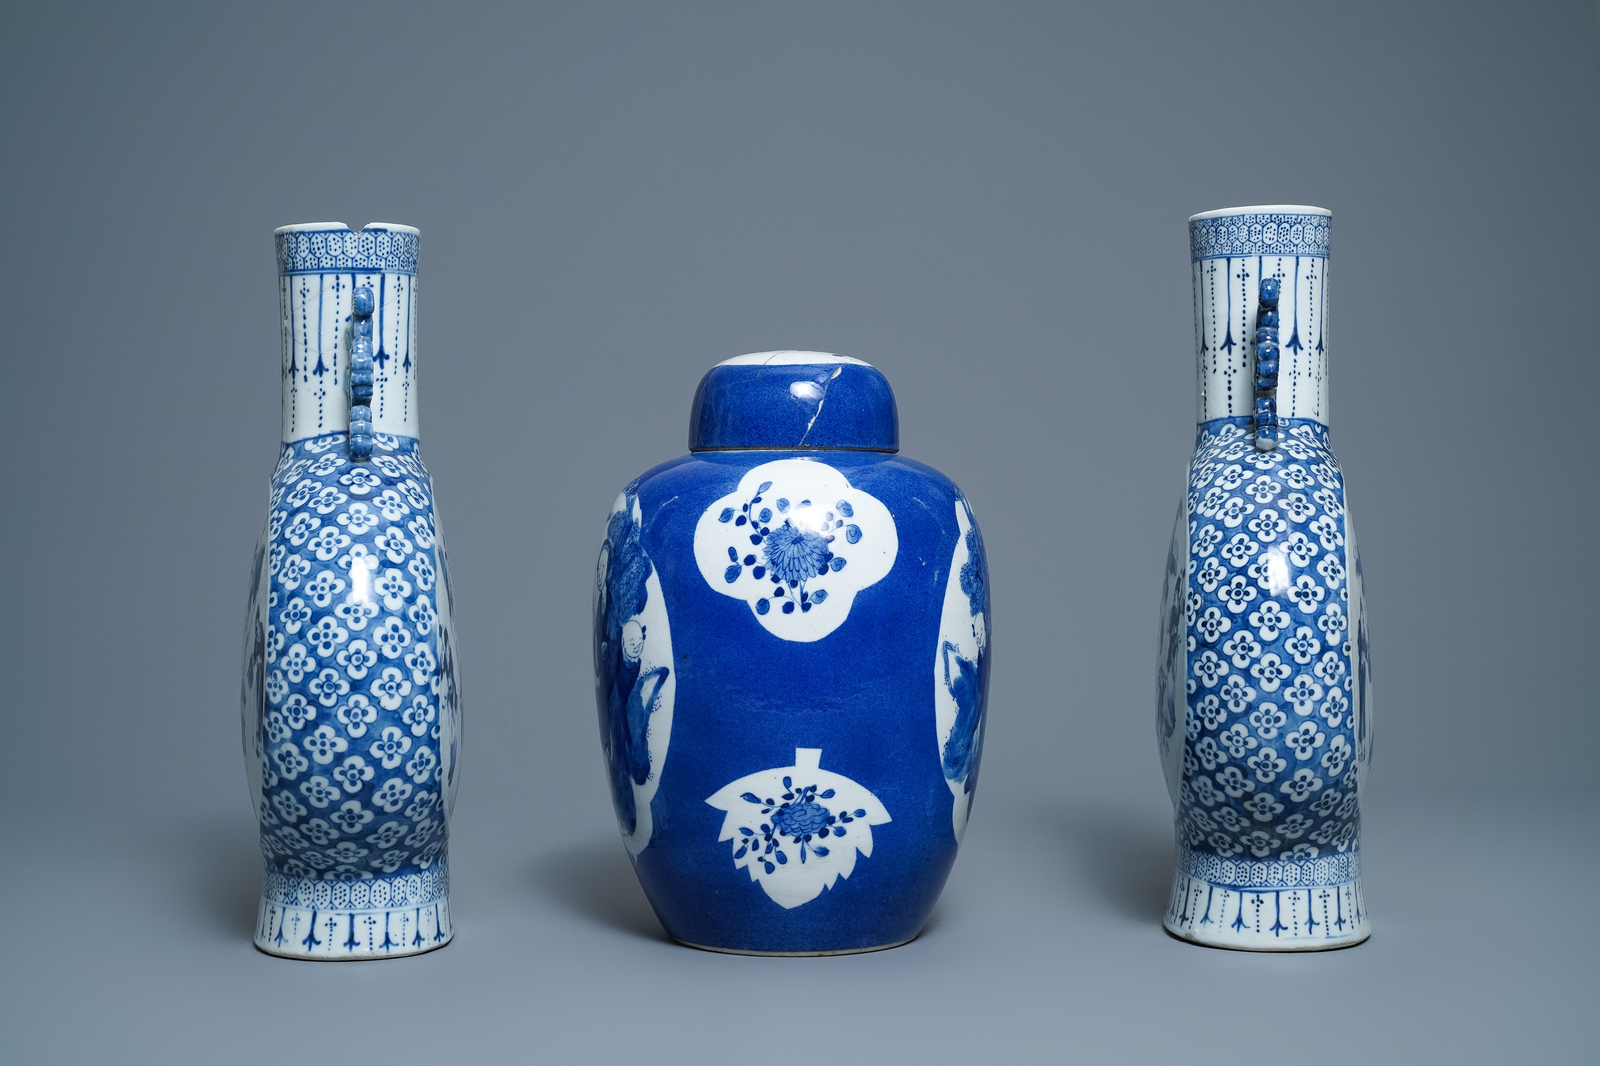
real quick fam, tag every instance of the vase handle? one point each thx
(1266, 415)
(361, 375)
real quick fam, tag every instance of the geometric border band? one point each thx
(379, 893)
(1309, 873)
(340, 251)
(1262, 234)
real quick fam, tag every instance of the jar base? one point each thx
(1299, 918)
(798, 954)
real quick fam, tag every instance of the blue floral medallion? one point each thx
(797, 542)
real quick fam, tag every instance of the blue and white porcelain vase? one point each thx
(791, 637)
(1264, 698)
(351, 708)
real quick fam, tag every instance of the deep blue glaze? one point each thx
(848, 405)
(749, 693)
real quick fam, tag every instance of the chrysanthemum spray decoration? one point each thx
(796, 542)
(797, 828)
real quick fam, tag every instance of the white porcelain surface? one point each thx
(1263, 669)
(1286, 242)
(314, 301)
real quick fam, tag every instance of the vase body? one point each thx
(350, 702)
(1264, 681)
(791, 637)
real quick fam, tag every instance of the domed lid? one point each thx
(794, 400)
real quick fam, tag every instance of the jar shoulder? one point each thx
(840, 493)
(882, 473)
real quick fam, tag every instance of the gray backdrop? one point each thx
(987, 200)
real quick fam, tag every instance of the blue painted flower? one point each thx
(966, 686)
(795, 553)
(975, 573)
(629, 693)
(801, 819)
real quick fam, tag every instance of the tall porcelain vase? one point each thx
(351, 707)
(791, 637)
(1264, 683)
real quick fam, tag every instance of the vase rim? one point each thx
(323, 227)
(789, 357)
(1263, 209)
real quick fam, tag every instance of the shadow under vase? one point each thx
(1127, 860)
(595, 881)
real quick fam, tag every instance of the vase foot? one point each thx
(1263, 918)
(294, 932)
(378, 918)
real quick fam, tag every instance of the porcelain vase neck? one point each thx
(1232, 251)
(320, 267)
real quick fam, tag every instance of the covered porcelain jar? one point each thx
(791, 640)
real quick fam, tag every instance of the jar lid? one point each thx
(794, 400)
